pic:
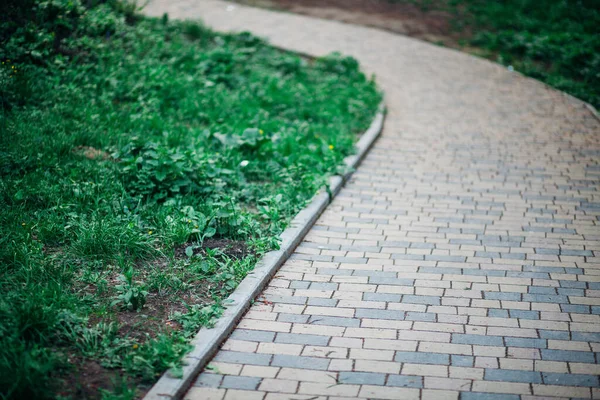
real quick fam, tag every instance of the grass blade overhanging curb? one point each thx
(208, 340)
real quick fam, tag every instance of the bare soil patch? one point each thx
(409, 19)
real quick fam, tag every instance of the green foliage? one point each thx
(124, 140)
(555, 41)
(131, 295)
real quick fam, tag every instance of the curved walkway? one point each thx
(460, 261)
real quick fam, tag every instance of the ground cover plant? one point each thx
(145, 166)
(555, 41)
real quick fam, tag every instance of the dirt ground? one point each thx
(425, 23)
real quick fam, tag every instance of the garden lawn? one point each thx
(146, 165)
(555, 41)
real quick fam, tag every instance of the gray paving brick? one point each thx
(545, 298)
(334, 271)
(532, 275)
(237, 357)
(570, 292)
(419, 316)
(484, 272)
(461, 361)
(482, 340)
(334, 321)
(323, 286)
(294, 318)
(240, 382)
(405, 381)
(558, 335)
(434, 257)
(586, 336)
(361, 378)
(252, 336)
(415, 257)
(525, 342)
(393, 298)
(382, 280)
(572, 284)
(440, 270)
(571, 379)
(208, 380)
(296, 338)
(524, 314)
(498, 313)
(380, 274)
(576, 308)
(350, 260)
(509, 296)
(310, 257)
(299, 284)
(487, 396)
(285, 299)
(541, 290)
(507, 375)
(318, 301)
(567, 355)
(280, 360)
(422, 358)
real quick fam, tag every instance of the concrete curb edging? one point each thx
(207, 341)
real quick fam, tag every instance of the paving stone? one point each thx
(568, 355)
(208, 380)
(429, 300)
(280, 360)
(422, 358)
(559, 335)
(295, 338)
(487, 396)
(361, 378)
(570, 379)
(405, 381)
(507, 375)
(525, 342)
(417, 316)
(483, 340)
(379, 314)
(333, 321)
(462, 361)
(316, 301)
(296, 318)
(242, 358)
(240, 382)
(382, 297)
(252, 336)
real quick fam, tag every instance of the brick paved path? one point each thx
(461, 258)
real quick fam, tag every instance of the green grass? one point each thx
(555, 41)
(125, 144)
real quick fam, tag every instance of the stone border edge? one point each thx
(208, 341)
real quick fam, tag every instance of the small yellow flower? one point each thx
(189, 221)
(330, 147)
(261, 132)
(196, 226)
(22, 223)
(149, 232)
(135, 346)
